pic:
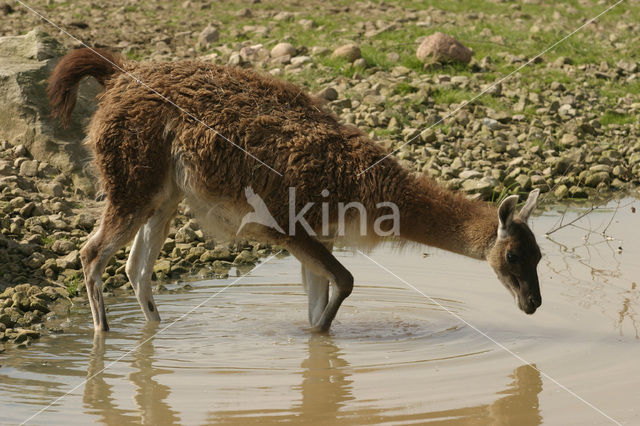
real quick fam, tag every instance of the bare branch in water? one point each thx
(561, 224)
(604, 231)
(564, 225)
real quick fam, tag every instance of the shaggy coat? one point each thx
(152, 154)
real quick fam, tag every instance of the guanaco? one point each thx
(227, 129)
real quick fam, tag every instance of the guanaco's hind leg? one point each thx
(323, 266)
(114, 232)
(317, 288)
(144, 252)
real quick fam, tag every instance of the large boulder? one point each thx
(25, 64)
(350, 52)
(443, 48)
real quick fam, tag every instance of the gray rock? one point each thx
(6, 320)
(490, 123)
(186, 235)
(84, 221)
(17, 202)
(209, 34)
(307, 23)
(63, 247)
(35, 261)
(457, 165)
(594, 179)
(393, 57)
(25, 335)
(459, 80)
(569, 139)
(245, 257)
(281, 60)
(255, 53)
(630, 67)
(428, 136)
(25, 63)
(162, 266)
(463, 118)
(31, 209)
(470, 174)
(222, 253)
(498, 145)
(350, 52)
(235, 59)
(244, 13)
(360, 62)
(409, 134)
(374, 100)
(537, 180)
(70, 261)
(53, 188)
(328, 93)
(524, 181)
(559, 164)
(566, 110)
(561, 191)
(19, 150)
(601, 168)
(282, 49)
(300, 60)
(578, 192)
(283, 16)
(443, 48)
(320, 51)
(29, 168)
(474, 186)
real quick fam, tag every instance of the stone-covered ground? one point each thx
(567, 123)
(43, 225)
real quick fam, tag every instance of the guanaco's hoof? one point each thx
(320, 329)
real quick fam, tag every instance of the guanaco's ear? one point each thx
(505, 214)
(530, 205)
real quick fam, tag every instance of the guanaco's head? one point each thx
(515, 254)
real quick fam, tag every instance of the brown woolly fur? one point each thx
(63, 82)
(152, 154)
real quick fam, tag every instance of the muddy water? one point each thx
(393, 356)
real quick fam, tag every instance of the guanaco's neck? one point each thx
(432, 215)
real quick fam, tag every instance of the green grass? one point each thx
(613, 90)
(612, 117)
(537, 142)
(443, 95)
(404, 88)
(506, 191)
(57, 5)
(499, 30)
(135, 55)
(73, 284)
(47, 240)
(510, 25)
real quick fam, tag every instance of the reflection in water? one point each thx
(98, 395)
(327, 398)
(520, 405)
(326, 386)
(150, 395)
(593, 264)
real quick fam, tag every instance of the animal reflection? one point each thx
(150, 396)
(327, 398)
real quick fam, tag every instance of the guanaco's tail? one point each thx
(66, 76)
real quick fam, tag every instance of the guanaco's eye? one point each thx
(512, 258)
